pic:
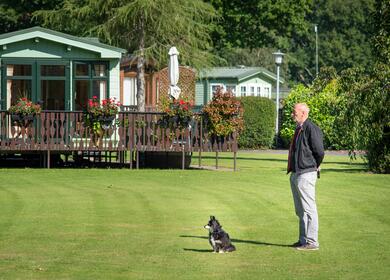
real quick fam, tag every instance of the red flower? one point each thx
(25, 107)
(107, 107)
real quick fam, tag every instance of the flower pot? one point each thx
(22, 120)
(106, 121)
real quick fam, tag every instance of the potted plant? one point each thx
(23, 112)
(223, 115)
(100, 115)
(178, 114)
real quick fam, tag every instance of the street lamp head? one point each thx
(278, 57)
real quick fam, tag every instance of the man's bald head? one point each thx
(300, 113)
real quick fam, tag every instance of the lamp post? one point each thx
(316, 31)
(278, 61)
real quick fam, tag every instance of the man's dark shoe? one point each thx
(296, 244)
(308, 247)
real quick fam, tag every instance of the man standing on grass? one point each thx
(305, 156)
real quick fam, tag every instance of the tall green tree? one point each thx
(261, 27)
(367, 97)
(344, 32)
(18, 14)
(146, 28)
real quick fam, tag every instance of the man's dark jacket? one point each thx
(309, 149)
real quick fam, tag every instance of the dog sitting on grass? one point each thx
(218, 238)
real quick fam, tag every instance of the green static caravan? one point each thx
(58, 70)
(242, 81)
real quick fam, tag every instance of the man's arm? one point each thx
(317, 144)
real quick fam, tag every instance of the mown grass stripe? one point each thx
(148, 224)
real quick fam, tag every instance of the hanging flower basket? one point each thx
(100, 116)
(19, 118)
(106, 121)
(23, 112)
(178, 114)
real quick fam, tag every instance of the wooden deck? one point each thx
(131, 132)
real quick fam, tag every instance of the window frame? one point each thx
(91, 77)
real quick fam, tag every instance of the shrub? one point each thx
(259, 118)
(298, 94)
(323, 101)
(223, 114)
(365, 121)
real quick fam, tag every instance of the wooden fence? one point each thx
(134, 132)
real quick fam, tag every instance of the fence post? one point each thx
(182, 157)
(48, 158)
(137, 161)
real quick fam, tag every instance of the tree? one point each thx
(344, 31)
(381, 40)
(366, 94)
(18, 14)
(262, 25)
(146, 28)
(322, 99)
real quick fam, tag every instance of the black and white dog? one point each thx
(218, 238)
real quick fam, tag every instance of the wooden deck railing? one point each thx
(63, 131)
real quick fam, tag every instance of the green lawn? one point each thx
(148, 224)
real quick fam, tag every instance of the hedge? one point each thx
(259, 122)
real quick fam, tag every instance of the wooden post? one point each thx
(131, 158)
(137, 161)
(216, 160)
(48, 159)
(182, 157)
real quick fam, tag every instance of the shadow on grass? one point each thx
(241, 158)
(235, 241)
(345, 163)
(198, 250)
(344, 170)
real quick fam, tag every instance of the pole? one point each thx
(277, 99)
(316, 31)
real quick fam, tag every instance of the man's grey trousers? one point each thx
(304, 194)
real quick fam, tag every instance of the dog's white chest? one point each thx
(214, 241)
